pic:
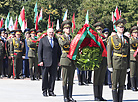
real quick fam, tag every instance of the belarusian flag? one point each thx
(11, 24)
(36, 23)
(113, 20)
(1, 23)
(21, 19)
(49, 23)
(15, 24)
(35, 10)
(73, 22)
(87, 18)
(7, 21)
(117, 13)
(40, 16)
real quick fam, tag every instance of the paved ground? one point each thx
(30, 91)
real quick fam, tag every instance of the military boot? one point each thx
(101, 92)
(120, 95)
(115, 95)
(65, 94)
(96, 93)
(70, 88)
(133, 84)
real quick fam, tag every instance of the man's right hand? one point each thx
(41, 64)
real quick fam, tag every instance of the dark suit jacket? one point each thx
(47, 54)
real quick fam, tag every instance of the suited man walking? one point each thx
(49, 53)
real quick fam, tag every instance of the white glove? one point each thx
(23, 57)
(110, 69)
(128, 70)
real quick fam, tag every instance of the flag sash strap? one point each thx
(76, 42)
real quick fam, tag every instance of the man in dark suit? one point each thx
(49, 53)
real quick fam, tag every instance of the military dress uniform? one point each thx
(133, 61)
(99, 74)
(68, 67)
(10, 64)
(17, 50)
(118, 52)
(32, 54)
(58, 34)
(2, 54)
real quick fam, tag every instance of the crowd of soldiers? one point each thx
(18, 58)
(18, 54)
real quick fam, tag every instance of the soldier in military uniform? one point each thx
(118, 54)
(68, 67)
(17, 51)
(10, 64)
(133, 61)
(99, 74)
(32, 54)
(58, 34)
(2, 52)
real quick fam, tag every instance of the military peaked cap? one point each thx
(120, 22)
(134, 29)
(99, 25)
(66, 23)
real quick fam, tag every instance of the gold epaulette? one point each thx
(115, 47)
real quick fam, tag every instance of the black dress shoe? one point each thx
(45, 94)
(52, 94)
(89, 82)
(71, 100)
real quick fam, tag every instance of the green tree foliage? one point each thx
(99, 10)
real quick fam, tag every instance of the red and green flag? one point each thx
(49, 23)
(115, 17)
(40, 16)
(21, 19)
(1, 23)
(15, 26)
(36, 23)
(73, 22)
(80, 41)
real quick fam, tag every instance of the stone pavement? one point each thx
(25, 90)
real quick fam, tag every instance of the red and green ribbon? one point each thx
(79, 39)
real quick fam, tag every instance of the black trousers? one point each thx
(48, 78)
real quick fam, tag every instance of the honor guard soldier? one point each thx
(17, 50)
(118, 54)
(32, 54)
(10, 64)
(2, 51)
(68, 67)
(133, 61)
(99, 74)
(58, 34)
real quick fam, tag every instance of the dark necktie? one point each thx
(51, 42)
